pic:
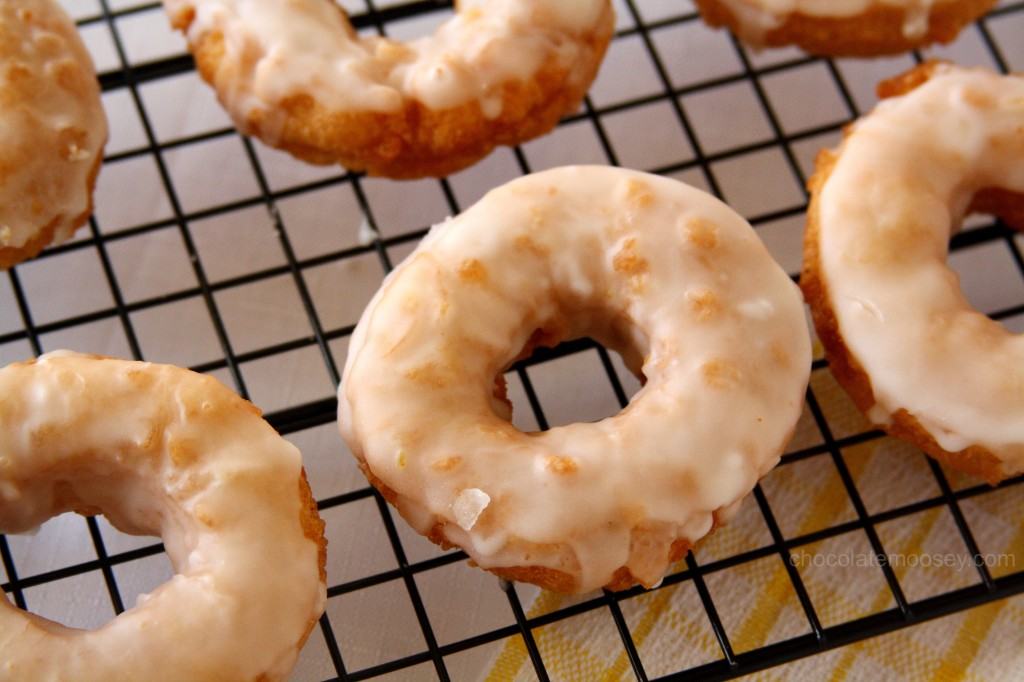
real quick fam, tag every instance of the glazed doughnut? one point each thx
(854, 28)
(663, 273)
(52, 128)
(162, 451)
(900, 336)
(296, 75)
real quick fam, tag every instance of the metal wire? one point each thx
(130, 77)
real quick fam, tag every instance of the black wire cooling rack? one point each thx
(648, 28)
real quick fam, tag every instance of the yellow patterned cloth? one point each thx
(756, 600)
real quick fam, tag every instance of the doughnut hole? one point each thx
(414, 28)
(63, 543)
(573, 385)
(131, 505)
(59, 543)
(988, 275)
(1007, 205)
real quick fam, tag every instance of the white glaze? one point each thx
(758, 17)
(275, 50)
(651, 266)
(167, 452)
(900, 187)
(52, 125)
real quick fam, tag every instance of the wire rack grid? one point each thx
(210, 251)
